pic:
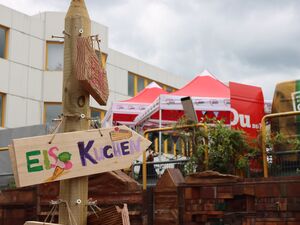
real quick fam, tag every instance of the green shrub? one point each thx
(228, 149)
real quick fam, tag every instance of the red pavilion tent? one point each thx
(211, 98)
(124, 112)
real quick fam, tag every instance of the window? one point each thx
(131, 91)
(51, 111)
(141, 84)
(55, 56)
(97, 113)
(103, 57)
(169, 89)
(97, 116)
(2, 105)
(3, 42)
(137, 83)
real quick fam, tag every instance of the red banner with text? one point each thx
(247, 107)
(247, 103)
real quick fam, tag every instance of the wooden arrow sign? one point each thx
(74, 154)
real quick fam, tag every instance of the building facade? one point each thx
(31, 63)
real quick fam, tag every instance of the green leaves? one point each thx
(228, 149)
(280, 141)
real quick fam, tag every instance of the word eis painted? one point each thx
(95, 154)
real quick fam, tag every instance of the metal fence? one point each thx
(156, 169)
(283, 163)
(279, 163)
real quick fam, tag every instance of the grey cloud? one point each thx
(254, 42)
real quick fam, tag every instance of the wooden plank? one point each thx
(17, 197)
(38, 223)
(12, 156)
(76, 154)
(90, 71)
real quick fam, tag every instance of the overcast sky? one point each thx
(248, 41)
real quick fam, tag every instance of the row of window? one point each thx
(55, 56)
(54, 52)
(54, 110)
(51, 111)
(55, 60)
(137, 83)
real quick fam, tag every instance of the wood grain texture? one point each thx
(75, 100)
(90, 72)
(13, 164)
(86, 152)
(39, 223)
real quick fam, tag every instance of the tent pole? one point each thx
(159, 138)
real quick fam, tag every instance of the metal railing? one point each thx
(264, 134)
(285, 163)
(154, 170)
(279, 163)
(2, 149)
(274, 163)
(146, 135)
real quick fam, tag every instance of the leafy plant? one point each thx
(281, 141)
(228, 149)
(282, 154)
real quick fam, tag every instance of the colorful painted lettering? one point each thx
(31, 162)
(117, 149)
(39, 160)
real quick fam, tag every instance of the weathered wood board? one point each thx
(90, 72)
(39, 223)
(75, 154)
(13, 164)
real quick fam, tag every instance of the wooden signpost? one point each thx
(75, 101)
(78, 152)
(75, 154)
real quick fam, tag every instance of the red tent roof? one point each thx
(204, 85)
(134, 105)
(210, 96)
(148, 94)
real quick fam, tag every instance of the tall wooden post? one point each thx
(75, 103)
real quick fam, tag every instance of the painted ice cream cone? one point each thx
(63, 163)
(57, 172)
